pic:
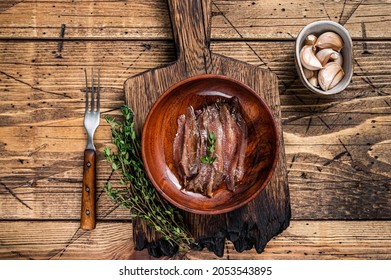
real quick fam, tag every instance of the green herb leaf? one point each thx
(107, 151)
(204, 159)
(210, 149)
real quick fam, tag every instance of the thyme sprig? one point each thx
(136, 192)
(209, 158)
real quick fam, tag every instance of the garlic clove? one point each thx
(324, 55)
(308, 73)
(337, 79)
(330, 75)
(337, 57)
(330, 40)
(313, 81)
(311, 40)
(308, 58)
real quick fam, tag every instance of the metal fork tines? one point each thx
(92, 111)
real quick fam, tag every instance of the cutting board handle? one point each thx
(190, 20)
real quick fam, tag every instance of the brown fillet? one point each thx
(178, 145)
(200, 181)
(230, 174)
(242, 144)
(211, 183)
(231, 144)
(229, 136)
(217, 168)
(215, 125)
(189, 160)
(197, 183)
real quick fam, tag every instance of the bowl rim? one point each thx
(272, 166)
(299, 68)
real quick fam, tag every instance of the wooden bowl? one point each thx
(161, 126)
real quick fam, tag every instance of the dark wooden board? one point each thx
(254, 224)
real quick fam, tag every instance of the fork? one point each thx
(91, 122)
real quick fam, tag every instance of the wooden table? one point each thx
(338, 148)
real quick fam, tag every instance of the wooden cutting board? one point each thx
(254, 224)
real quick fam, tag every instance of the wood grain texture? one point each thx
(254, 224)
(337, 149)
(352, 240)
(113, 240)
(42, 136)
(149, 19)
(64, 240)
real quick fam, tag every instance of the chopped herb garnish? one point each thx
(209, 158)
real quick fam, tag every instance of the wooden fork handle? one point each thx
(87, 221)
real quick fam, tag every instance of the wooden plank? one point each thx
(64, 240)
(320, 240)
(83, 19)
(148, 19)
(284, 19)
(337, 148)
(112, 240)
